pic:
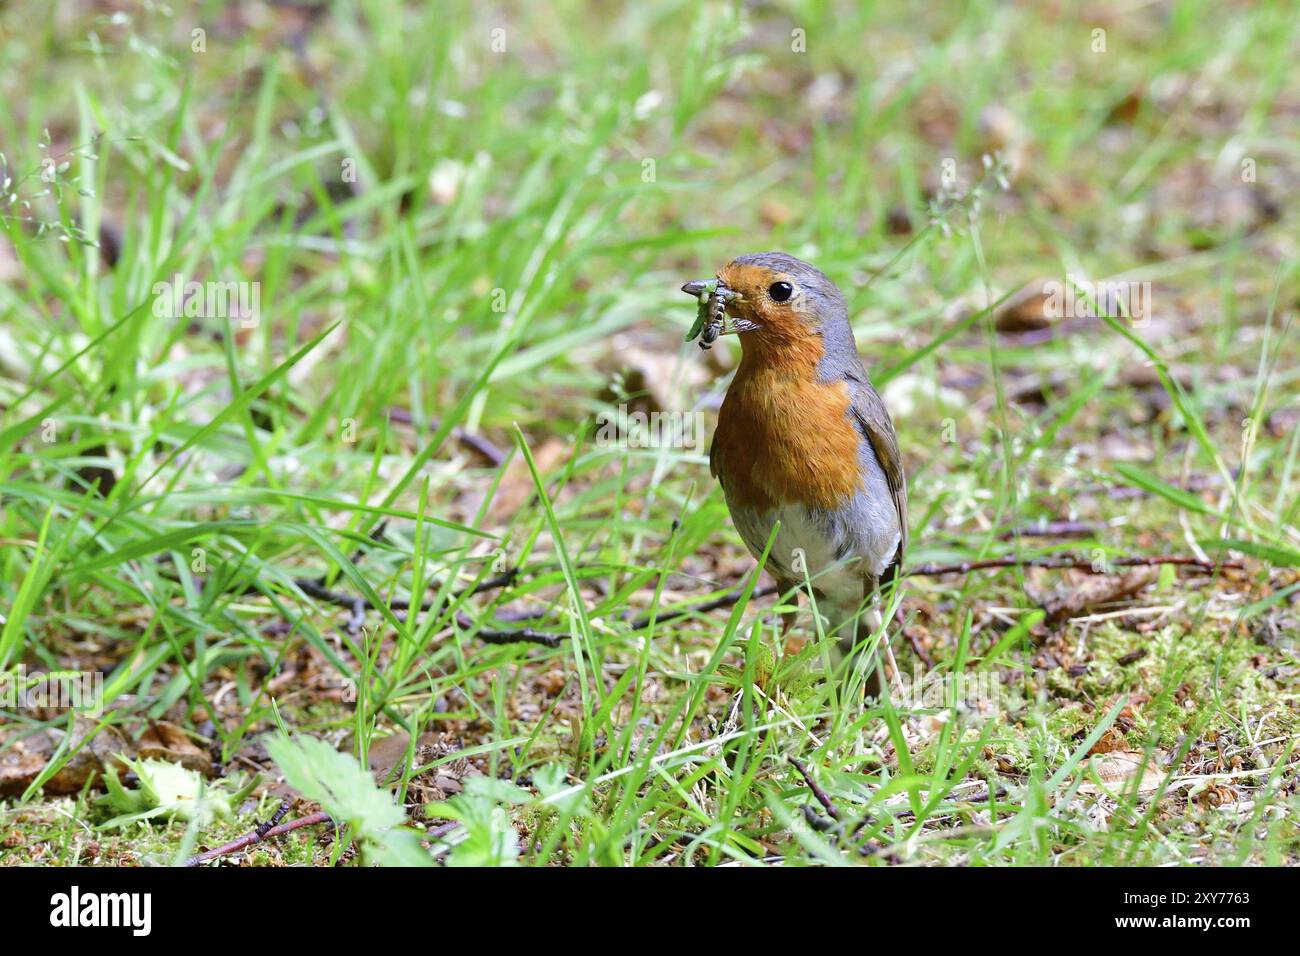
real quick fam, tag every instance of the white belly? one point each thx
(805, 549)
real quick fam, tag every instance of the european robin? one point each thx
(804, 438)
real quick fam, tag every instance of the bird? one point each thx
(804, 438)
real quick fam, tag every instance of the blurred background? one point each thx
(445, 233)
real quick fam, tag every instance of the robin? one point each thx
(804, 438)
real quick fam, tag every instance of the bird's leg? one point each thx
(790, 644)
(883, 665)
(882, 595)
(874, 622)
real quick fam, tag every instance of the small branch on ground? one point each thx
(360, 551)
(314, 589)
(726, 600)
(1081, 599)
(475, 443)
(904, 815)
(258, 835)
(277, 818)
(440, 830)
(965, 567)
(910, 635)
(816, 820)
(525, 635)
(1193, 484)
(357, 619)
(1051, 529)
(358, 605)
(1109, 566)
(822, 797)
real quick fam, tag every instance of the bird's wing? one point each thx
(873, 421)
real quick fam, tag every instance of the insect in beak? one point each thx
(712, 319)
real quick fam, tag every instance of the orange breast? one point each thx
(783, 436)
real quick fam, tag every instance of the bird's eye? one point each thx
(780, 291)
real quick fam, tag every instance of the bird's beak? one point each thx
(697, 286)
(725, 324)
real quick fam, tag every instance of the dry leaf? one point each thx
(1028, 309)
(22, 760)
(1117, 768)
(1111, 741)
(166, 741)
(517, 488)
(387, 757)
(1105, 590)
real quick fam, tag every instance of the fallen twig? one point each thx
(910, 635)
(357, 605)
(726, 600)
(822, 797)
(260, 834)
(903, 815)
(936, 570)
(525, 635)
(1090, 565)
(1193, 484)
(314, 589)
(1051, 529)
(1079, 600)
(360, 551)
(816, 820)
(471, 441)
(440, 830)
(280, 813)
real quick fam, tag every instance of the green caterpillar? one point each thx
(708, 316)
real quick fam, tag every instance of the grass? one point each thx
(472, 223)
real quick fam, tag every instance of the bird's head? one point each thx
(772, 299)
